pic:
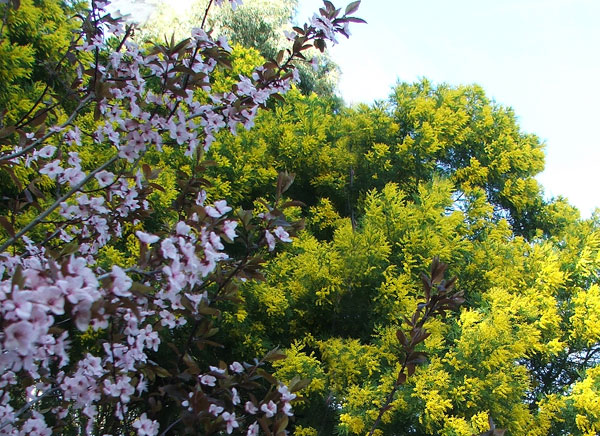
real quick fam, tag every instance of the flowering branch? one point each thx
(57, 287)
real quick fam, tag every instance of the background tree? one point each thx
(35, 64)
(260, 24)
(337, 295)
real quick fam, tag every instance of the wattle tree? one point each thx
(96, 344)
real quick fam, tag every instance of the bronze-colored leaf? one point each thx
(7, 226)
(320, 45)
(274, 355)
(265, 426)
(417, 358)
(268, 377)
(402, 337)
(299, 385)
(356, 20)
(352, 7)
(280, 425)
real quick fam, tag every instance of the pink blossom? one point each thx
(73, 136)
(47, 152)
(72, 176)
(253, 430)
(121, 282)
(290, 35)
(142, 385)
(250, 408)
(36, 426)
(53, 298)
(20, 337)
(104, 178)
(167, 319)
(229, 419)
(236, 367)
(325, 26)
(220, 208)
(34, 338)
(286, 395)
(145, 426)
(146, 238)
(208, 380)
(282, 234)
(216, 370)
(215, 410)
(21, 304)
(235, 397)
(182, 228)
(52, 169)
(168, 249)
(270, 240)
(287, 409)
(270, 409)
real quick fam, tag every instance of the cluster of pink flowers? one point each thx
(46, 297)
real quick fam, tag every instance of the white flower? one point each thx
(270, 240)
(252, 430)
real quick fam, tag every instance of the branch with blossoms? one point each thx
(82, 342)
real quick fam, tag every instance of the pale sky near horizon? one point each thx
(540, 57)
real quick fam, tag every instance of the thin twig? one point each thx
(206, 14)
(173, 424)
(28, 406)
(37, 142)
(57, 203)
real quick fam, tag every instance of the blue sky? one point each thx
(540, 57)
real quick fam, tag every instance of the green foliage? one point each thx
(459, 134)
(33, 42)
(437, 171)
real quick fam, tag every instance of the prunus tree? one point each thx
(88, 335)
(258, 24)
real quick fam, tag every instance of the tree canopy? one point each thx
(501, 333)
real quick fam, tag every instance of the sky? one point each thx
(540, 57)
